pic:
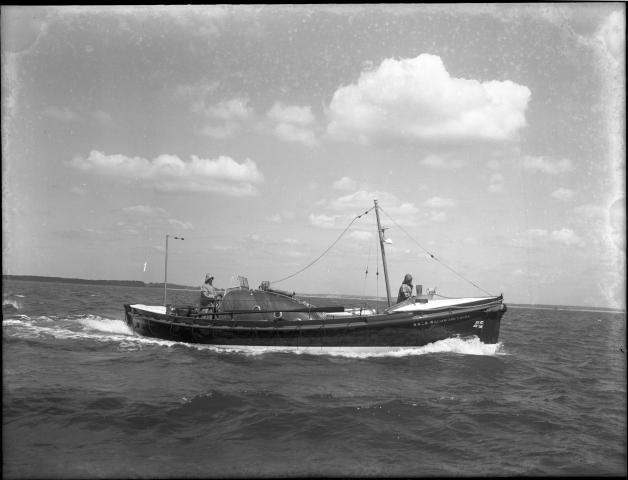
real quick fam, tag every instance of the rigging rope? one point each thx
(432, 255)
(366, 273)
(328, 249)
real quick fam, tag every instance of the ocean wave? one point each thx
(17, 319)
(11, 304)
(91, 327)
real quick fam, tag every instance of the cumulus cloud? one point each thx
(169, 173)
(294, 133)
(226, 130)
(536, 233)
(362, 200)
(322, 220)
(612, 35)
(440, 202)
(293, 114)
(338, 212)
(566, 237)
(440, 162)
(293, 123)
(280, 217)
(547, 165)
(345, 183)
(417, 99)
(361, 235)
(234, 109)
(540, 237)
(224, 118)
(180, 224)
(437, 216)
(145, 210)
(563, 194)
(594, 221)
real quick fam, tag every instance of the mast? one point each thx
(380, 232)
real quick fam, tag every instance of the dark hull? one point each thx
(396, 329)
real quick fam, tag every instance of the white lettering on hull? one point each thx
(455, 318)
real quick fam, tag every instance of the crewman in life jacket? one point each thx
(210, 295)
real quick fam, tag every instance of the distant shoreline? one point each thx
(138, 283)
(118, 283)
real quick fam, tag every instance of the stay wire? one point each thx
(327, 250)
(432, 255)
(366, 273)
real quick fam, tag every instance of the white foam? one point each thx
(106, 325)
(92, 328)
(11, 302)
(28, 328)
(469, 346)
(15, 321)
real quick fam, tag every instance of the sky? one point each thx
(491, 135)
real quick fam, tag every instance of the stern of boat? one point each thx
(128, 315)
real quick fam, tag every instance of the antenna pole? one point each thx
(166, 268)
(380, 232)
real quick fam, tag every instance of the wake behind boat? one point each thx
(266, 317)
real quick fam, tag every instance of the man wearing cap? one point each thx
(209, 293)
(405, 291)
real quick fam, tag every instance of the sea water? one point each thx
(84, 397)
